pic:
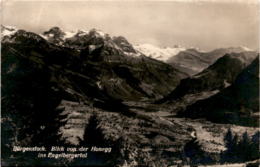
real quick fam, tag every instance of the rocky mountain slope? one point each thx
(111, 63)
(237, 104)
(216, 77)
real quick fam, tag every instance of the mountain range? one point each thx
(147, 103)
(190, 60)
(112, 63)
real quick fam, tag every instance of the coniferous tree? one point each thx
(93, 134)
(232, 149)
(255, 145)
(240, 150)
(244, 147)
(194, 152)
(228, 139)
(229, 154)
(94, 137)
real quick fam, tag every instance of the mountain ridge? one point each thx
(237, 104)
(194, 61)
(117, 55)
(216, 77)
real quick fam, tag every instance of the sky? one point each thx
(204, 24)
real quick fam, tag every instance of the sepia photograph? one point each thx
(130, 83)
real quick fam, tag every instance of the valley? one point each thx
(87, 88)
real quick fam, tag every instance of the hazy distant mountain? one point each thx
(188, 60)
(194, 61)
(236, 104)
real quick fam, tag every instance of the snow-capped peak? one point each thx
(80, 32)
(69, 34)
(97, 33)
(9, 27)
(101, 33)
(245, 48)
(56, 32)
(162, 54)
(8, 30)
